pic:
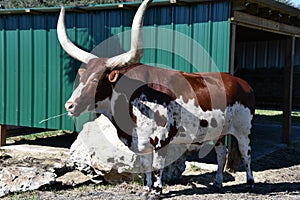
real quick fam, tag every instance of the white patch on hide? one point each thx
(234, 120)
(114, 97)
(77, 92)
(238, 120)
(146, 126)
(155, 107)
(188, 116)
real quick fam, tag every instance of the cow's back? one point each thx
(219, 90)
(238, 90)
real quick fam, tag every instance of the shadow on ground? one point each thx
(63, 141)
(260, 188)
(280, 161)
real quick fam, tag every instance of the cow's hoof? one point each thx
(217, 187)
(144, 195)
(153, 197)
(250, 184)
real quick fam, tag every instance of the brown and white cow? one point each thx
(153, 107)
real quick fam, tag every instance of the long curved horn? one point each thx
(137, 43)
(67, 45)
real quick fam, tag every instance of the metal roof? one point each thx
(96, 7)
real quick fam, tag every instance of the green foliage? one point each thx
(30, 195)
(195, 168)
(274, 116)
(35, 136)
(51, 3)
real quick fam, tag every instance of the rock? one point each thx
(29, 167)
(99, 150)
(17, 179)
(73, 178)
(4, 156)
(114, 177)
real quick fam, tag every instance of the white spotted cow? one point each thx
(152, 107)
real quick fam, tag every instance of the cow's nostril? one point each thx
(69, 106)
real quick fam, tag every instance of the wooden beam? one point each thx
(232, 48)
(275, 5)
(275, 15)
(252, 8)
(238, 5)
(288, 89)
(285, 18)
(264, 12)
(2, 135)
(295, 20)
(251, 21)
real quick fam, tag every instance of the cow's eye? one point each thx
(95, 80)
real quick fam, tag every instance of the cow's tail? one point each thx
(233, 158)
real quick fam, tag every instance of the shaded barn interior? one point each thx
(260, 60)
(265, 51)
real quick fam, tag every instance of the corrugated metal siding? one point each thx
(34, 70)
(264, 54)
(37, 76)
(206, 24)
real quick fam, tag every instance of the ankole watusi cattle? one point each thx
(152, 107)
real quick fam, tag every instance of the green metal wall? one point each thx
(37, 76)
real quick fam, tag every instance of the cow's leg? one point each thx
(157, 184)
(221, 158)
(245, 150)
(158, 165)
(146, 168)
(153, 166)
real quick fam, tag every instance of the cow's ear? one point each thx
(81, 71)
(113, 76)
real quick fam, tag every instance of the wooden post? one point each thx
(232, 66)
(233, 158)
(288, 89)
(232, 48)
(2, 135)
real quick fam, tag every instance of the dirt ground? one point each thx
(277, 176)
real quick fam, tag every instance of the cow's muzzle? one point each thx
(70, 107)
